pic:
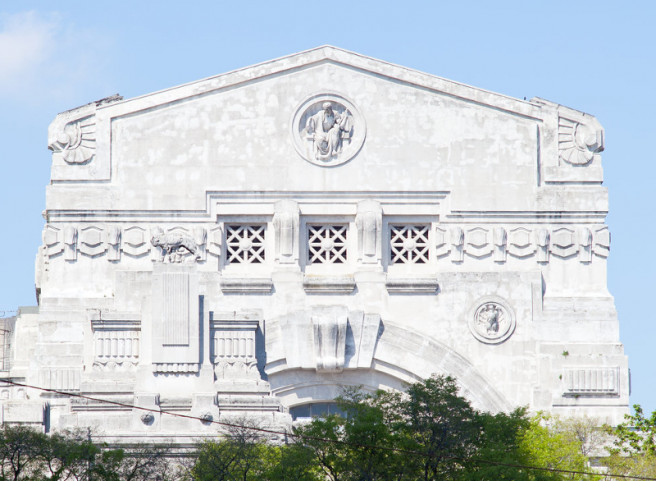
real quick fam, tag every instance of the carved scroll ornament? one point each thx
(76, 141)
(578, 142)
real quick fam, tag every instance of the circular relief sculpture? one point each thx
(328, 130)
(147, 418)
(491, 320)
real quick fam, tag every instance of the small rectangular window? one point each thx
(409, 244)
(245, 244)
(327, 244)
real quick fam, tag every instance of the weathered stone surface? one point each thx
(251, 242)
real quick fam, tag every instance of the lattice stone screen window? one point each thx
(409, 244)
(327, 244)
(245, 244)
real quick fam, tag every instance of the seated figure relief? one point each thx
(328, 129)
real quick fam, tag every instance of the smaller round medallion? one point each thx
(491, 320)
(328, 130)
(245, 244)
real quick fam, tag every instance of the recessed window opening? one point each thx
(245, 244)
(315, 410)
(327, 244)
(409, 244)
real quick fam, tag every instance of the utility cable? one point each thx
(326, 440)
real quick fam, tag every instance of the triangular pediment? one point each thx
(327, 120)
(343, 58)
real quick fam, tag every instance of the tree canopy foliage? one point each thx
(26, 454)
(428, 433)
(634, 449)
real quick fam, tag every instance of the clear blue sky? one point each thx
(595, 56)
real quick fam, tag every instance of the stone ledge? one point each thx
(424, 285)
(246, 285)
(328, 285)
(246, 402)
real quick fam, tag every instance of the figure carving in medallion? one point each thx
(488, 318)
(492, 321)
(328, 130)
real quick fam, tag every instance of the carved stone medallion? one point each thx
(328, 130)
(491, 320)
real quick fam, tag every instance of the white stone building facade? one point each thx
(248, 244)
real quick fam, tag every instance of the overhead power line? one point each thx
(326, 440)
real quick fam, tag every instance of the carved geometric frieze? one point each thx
(116, 340)
(491, 320)
(500, 244)
(70, 243)
(441, 241)
(327, 243)
(328, 130)
(591, 381)
(542, 239)
(457, 238)
(135, 241)
(113, 239)
(477, 242)
(200, 237)
(578, 142)
(564, 242)
(215, 241)
(601, 244)
(91, 241)
(52, 240)
(520, 242)
(585, 242)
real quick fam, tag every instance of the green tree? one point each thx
(241, 456)
(20, 447)
(549, 443)
(444, 426)
(634, 450)
(292, 462)
(26, 454)
(499, 447)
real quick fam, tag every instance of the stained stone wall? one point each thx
(250, 243)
